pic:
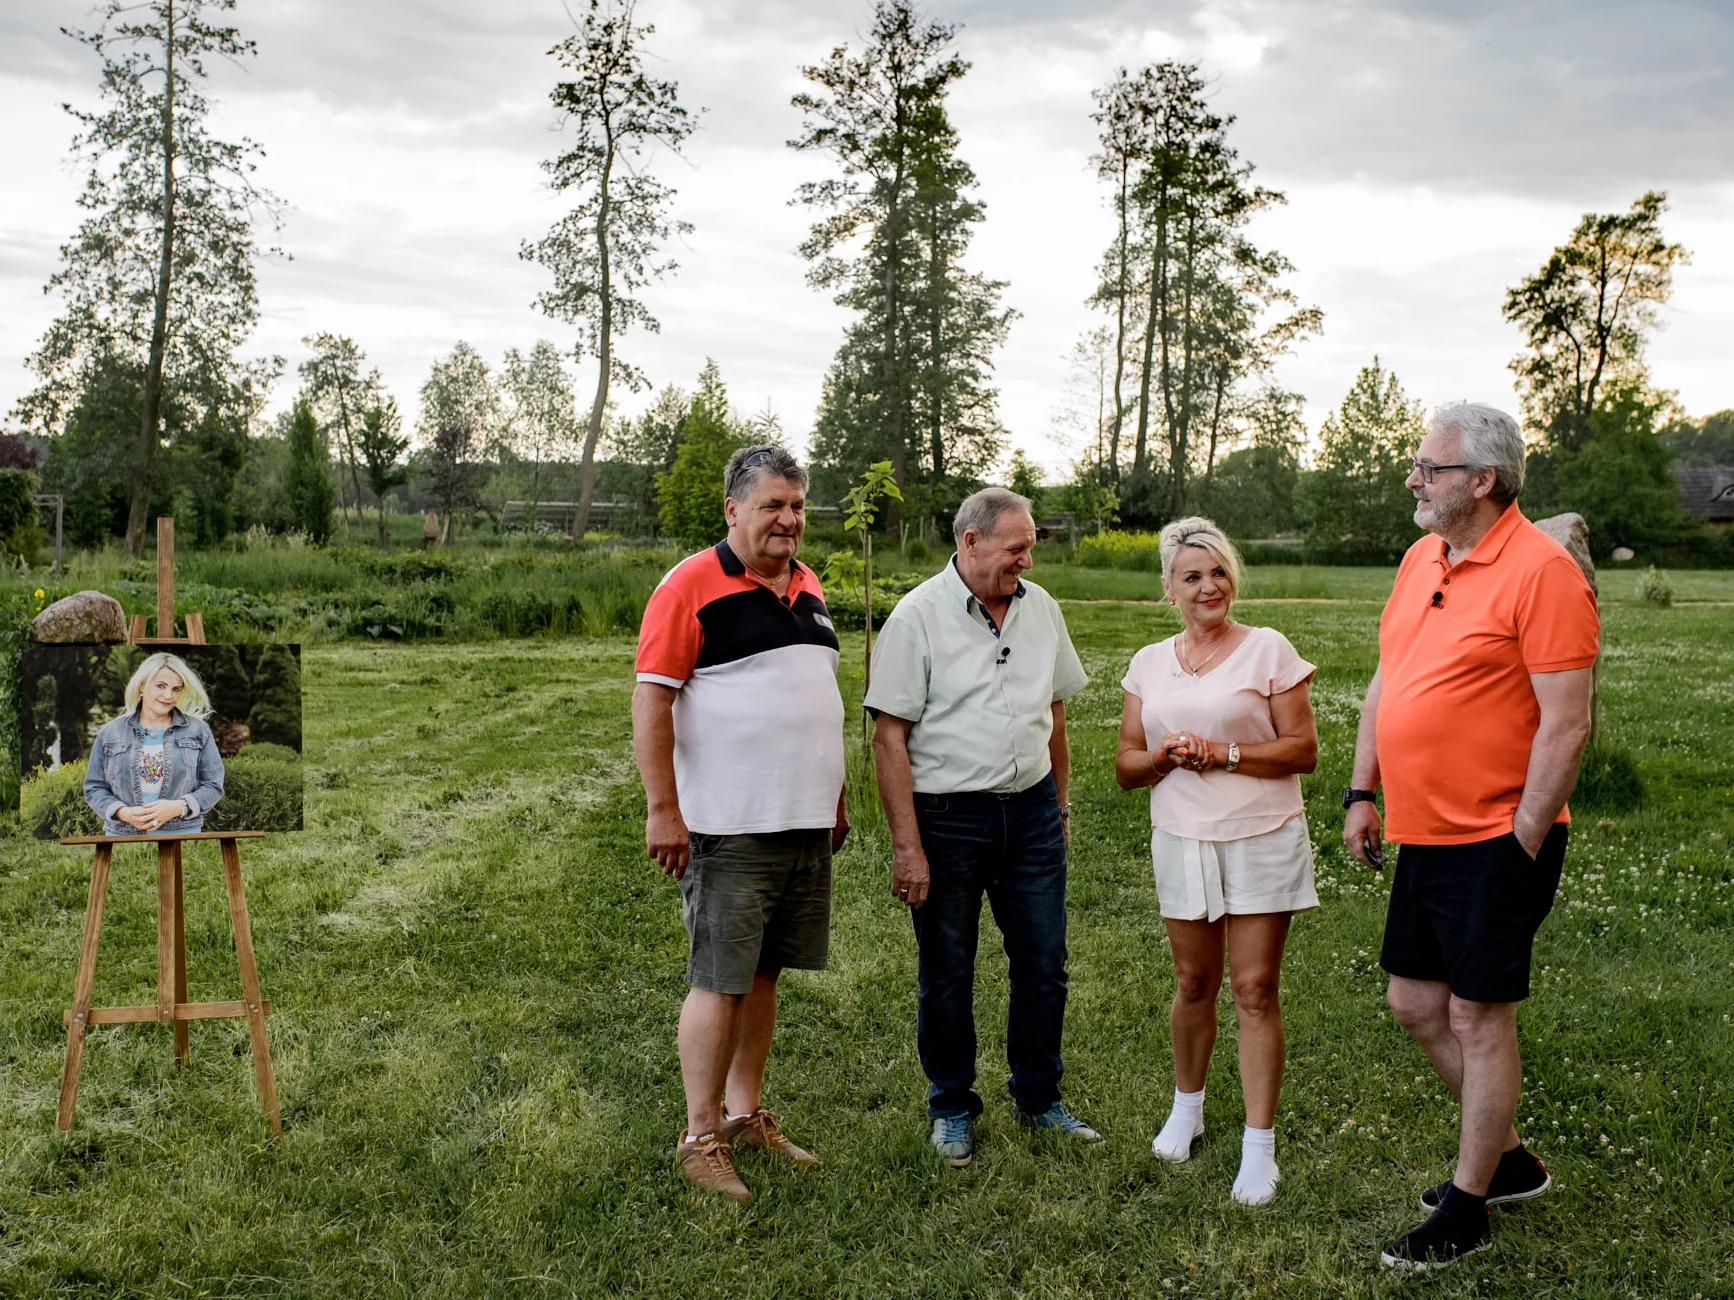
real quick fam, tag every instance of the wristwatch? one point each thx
(1352, 796)
(1233, 756)
(1066, 812)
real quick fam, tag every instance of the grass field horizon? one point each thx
(476, 975)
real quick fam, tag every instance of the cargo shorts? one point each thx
(756, 902)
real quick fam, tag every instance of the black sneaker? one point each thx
(1520, 1177)
(1439, 1242)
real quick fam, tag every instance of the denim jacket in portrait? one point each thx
(194, 771)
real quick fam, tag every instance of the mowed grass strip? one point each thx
(477, 975)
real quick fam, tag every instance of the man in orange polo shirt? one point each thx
(1474, 724)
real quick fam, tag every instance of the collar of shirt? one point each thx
(736, 567)
(1492, 542)
(959, 590)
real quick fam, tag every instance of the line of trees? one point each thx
(145, 403)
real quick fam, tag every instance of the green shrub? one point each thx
(1608, 780)
(265, 749)
(1654, 588)
(259, 794)
(1114, 549)
(849, 609)
(51, 804)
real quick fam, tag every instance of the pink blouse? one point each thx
(1230, 702)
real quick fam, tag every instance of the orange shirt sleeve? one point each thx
(670, 636)
(1558, 628)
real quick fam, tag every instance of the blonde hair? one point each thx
(1198, 531)
(193, 701)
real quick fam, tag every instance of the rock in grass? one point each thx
(1571, 532)
(84, 616)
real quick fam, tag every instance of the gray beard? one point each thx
(1450, 511)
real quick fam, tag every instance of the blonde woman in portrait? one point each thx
(155, 769)
(1217, 722)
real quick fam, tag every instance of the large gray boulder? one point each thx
(84, 616)
(1571, 532)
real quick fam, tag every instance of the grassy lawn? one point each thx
(476, 976)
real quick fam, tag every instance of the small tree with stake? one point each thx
(860, 508)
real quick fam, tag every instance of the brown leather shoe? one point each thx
(760, 1129)
(708, 1163)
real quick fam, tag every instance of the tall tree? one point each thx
(911, 380)
(159, 275)
(308, 494)
(1585, 314)
(1183, 268)
(1122, 142)
(460, 413)
(607, 249)
(690, 495)
(339, 389)
(542, 414)
(1360, 506)
(381, 446)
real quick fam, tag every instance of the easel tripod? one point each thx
(171, 1006)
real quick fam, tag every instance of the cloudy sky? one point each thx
(1432, 152)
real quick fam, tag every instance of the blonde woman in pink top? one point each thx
(1218, 724)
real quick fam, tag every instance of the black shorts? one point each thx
(1466, 914)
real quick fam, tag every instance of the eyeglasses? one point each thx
(1428, 469)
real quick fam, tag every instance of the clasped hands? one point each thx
(152, 816)
(1188, 750)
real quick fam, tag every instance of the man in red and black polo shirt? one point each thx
(738, 728)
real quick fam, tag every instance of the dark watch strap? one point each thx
(1353, 796)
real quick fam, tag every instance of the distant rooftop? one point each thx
(1706, 492)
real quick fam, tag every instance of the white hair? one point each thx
(1488, 438)
(193, 701)
(1198, 531)
(981, 511)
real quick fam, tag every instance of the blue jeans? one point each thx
(1013, 848)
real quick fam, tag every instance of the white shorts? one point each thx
(1199, 880)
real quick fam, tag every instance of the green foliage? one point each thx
(1113, 549)
(1709, 441)
(1026, 480)
(261, 792)
(169, 313)
(1358, 504)
(276, 693)
(911, 382)
(380, 445)
(1617, 476)
(1654, 588)
(1585, 315)
(308, 494)
(1608, 780)
(1194, 300)
(20, 526)
(690, 495)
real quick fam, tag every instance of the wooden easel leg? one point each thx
(166, 932)
(250, 982)
(183, 1049)
(81, 991)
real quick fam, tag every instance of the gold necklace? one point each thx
(1180, 647)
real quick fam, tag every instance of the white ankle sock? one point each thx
(1255, 1184)
(1185, 1122)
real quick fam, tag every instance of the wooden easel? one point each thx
(135, 630)
(171, 1006)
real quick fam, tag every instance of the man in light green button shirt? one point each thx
(970, 679)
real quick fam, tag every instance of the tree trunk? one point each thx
(384, 541)
(604, 354)
(1156, 314)
(935, 341)
(1180, 413)
(1122, 290)
(153, 394)
(349, 453)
